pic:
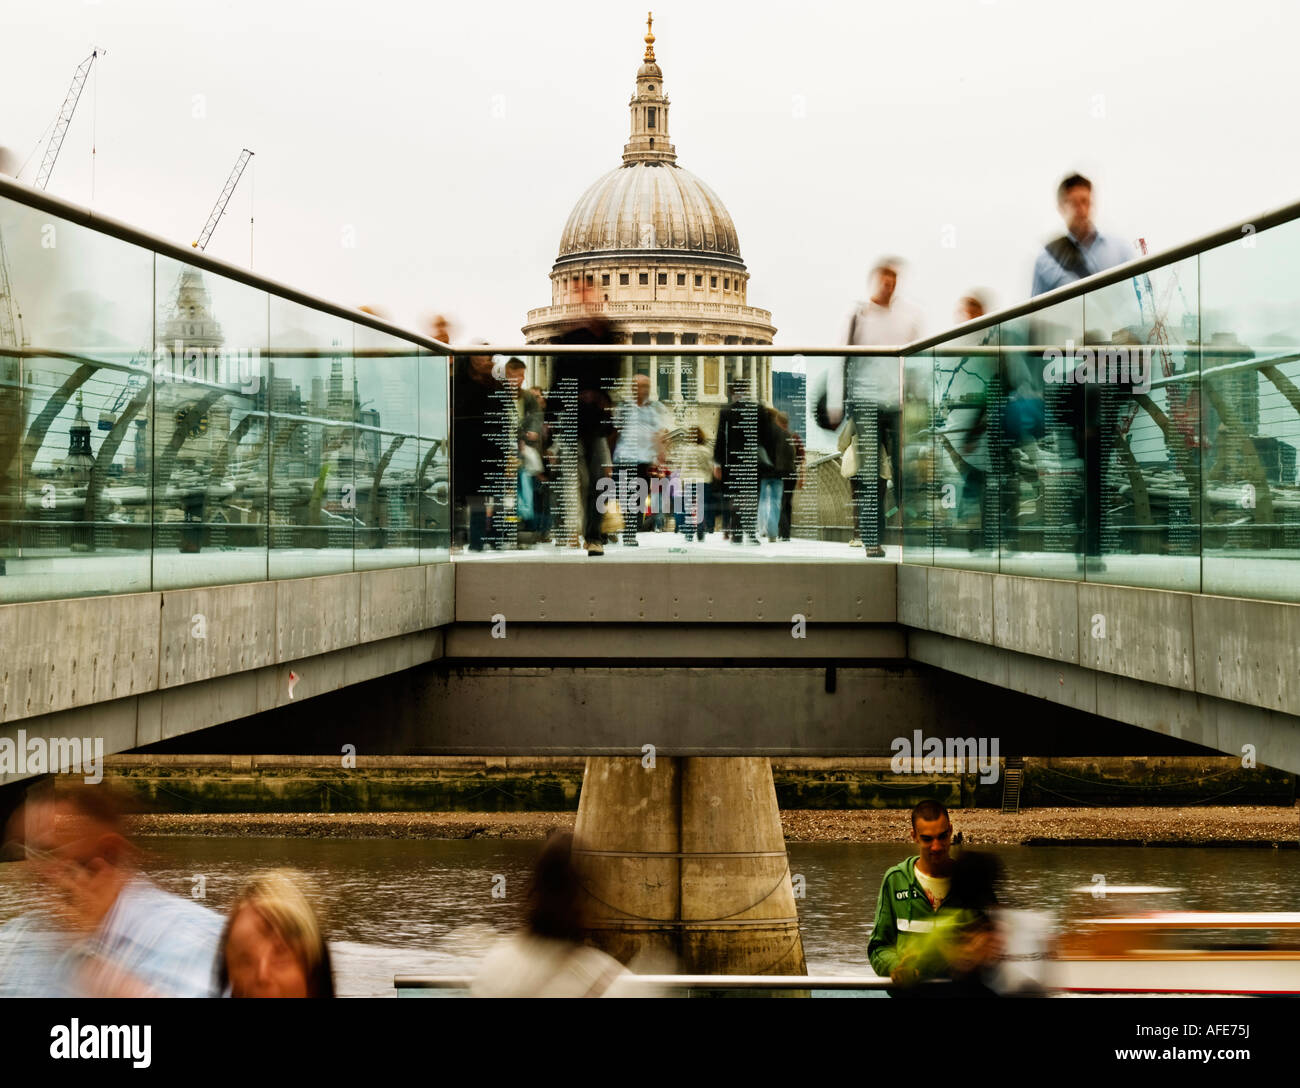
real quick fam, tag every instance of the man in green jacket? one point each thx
(911, 895)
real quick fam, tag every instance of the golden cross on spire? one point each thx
(649, 35)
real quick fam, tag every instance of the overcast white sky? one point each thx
(453, 140)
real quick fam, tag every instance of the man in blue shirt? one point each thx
(1076, 409)
(104, 930)
(1083, 250)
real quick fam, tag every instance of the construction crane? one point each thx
(220, 208)
(1180, 398)
(65, 119)
(11, 317)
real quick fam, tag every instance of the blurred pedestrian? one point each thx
(105, 929)
(693, 461)
(580, 391)
(440, 328)
(969, 413)
(1083, 250)
(548, 958)
(968, 936)
(742, 432)
(273, 944)
(867, 392)
(475, 453)
(641, 427)
(794, 476)
(543, 480)
(775, 462)
(526, 426)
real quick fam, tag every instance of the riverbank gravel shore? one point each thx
(1253, 825)
(1193, 826)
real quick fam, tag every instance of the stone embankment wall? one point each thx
(265, 784)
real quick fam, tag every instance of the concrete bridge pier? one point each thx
(685, 856)
(11, 797)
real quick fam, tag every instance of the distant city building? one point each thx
(370, 439)
(80, 461)
(652, 248)
(790, 395)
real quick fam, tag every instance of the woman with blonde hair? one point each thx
(273, 944)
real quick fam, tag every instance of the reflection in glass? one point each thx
(1142, 362)
(969, 452)
(1040, 446)
(433, 476)
(315, 444)
(1250, 415)
(386, 464)
(163, 426)
(210, 453)
(76, 337)
(920, 488)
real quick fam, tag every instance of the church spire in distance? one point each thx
(648, 142)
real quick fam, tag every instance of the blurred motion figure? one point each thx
(273, 944)
(1082, 250)
(867, 392)
(547, 958)
(106, 930)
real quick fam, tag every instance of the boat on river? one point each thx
(1185, 952)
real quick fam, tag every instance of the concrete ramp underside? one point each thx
(788, 658)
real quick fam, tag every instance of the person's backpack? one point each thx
(785, 455)
(1065, 252)
(1024, 417)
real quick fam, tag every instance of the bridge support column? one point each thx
(687, 858)
(11, 797)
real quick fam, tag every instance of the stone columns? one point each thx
(688, 858)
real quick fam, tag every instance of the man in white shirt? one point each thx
(869, 392)
(641, 426)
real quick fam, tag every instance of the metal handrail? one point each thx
(87, 217)
(24, 194)
(1233, 233)
(687, 982)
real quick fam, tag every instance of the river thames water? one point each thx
(427, 906)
